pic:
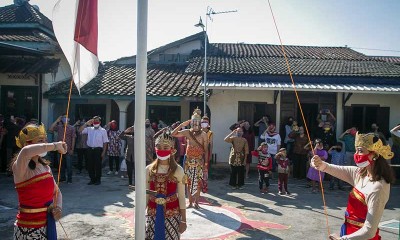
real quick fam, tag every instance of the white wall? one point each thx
(224, 106)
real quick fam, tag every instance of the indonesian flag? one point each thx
(75, 26)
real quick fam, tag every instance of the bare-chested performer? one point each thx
(197, 149)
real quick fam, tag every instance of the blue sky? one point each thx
(369, 24)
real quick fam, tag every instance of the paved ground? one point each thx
(107, 211)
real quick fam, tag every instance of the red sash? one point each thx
(33, 194)
(356, 213)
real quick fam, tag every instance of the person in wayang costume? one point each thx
(205, 126)
(166, 208)
(35, 185)
(371, 181)
(196, 152)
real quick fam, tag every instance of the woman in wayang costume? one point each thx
(35, 185)
(166, 207)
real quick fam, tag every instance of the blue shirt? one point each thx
(338, 158)
(349, 140)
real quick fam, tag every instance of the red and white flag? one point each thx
(76, 28)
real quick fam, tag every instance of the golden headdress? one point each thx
(367, 141)
(196, 114)
(29, 133)
(165, 138)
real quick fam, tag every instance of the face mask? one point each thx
(327, 129)
(64, 120)
(239, 134)
(163, 154)
(362, 160)
(204, 125)
(353, 132)
(264, 150)
(42, 154)
(96, 125)
(147, 125)
(338, 149)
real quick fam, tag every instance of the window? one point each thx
(168, 114)
(19, 101)
(87, 111)
(362, 116)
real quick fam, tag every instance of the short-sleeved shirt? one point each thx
(349, 140)
(96, 137)
(69, 135)
(273, 142)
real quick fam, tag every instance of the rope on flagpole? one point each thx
(301, 111)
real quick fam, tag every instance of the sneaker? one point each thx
(116, 173)
(233, 188)
(280, 192)
(287, 193)
(241, 188)
(109, 172)
(122, 176)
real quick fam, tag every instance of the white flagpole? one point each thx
(140, 115)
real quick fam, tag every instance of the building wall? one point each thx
(224, 108)
(224, 105)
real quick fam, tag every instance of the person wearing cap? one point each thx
(61, 124)
(313, 174)
(40, 200)
(113, 147)
(97, 146)
(165, 180)
(283, 171)
(371, 180)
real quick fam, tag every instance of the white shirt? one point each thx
(96, 137)
(273, 143)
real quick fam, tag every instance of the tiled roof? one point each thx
(197, 36)
(18, 35)
(17, 64)
(298, 66)
(395, 60)
(266, 50)
(119, 80)
(328, 86)
(23, 14)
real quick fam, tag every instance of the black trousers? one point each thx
(299, 165)
(82, 158)
(111, 160)
(94, 163)
(237, 176)
(130, 166)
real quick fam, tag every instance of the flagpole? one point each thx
(140, 115)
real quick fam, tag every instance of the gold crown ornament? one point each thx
(196, 114)
(367, 141)
(165, 139)
(29, 133)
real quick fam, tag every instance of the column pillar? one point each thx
(339, 114)
(123, 108)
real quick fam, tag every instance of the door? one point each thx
(19, 101)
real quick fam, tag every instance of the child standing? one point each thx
(312, 172)
(283, 170)
(338, 158)
(264, 166)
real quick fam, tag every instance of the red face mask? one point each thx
(95, 122)
(113, 126)
(163, 154)
(362, 160)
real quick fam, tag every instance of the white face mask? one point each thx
(204, 125)
(96, 125)
(42, 154)
(163, 158)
